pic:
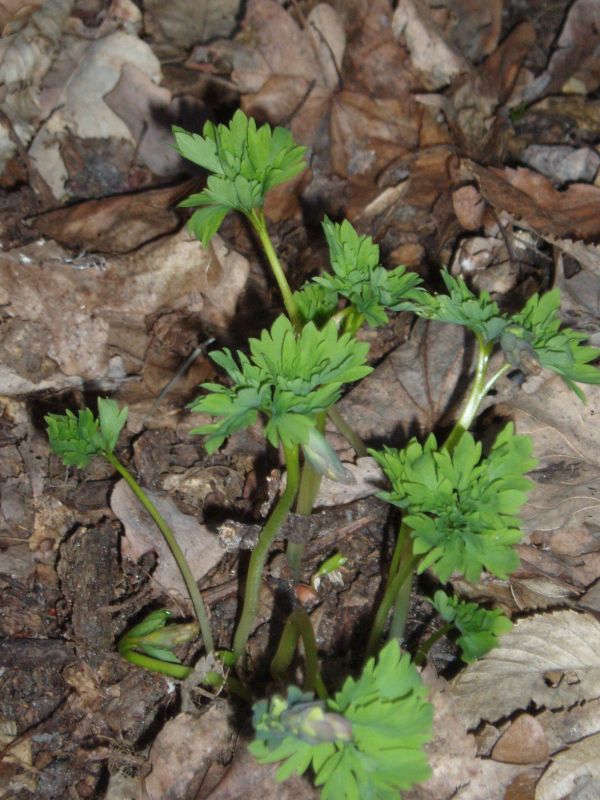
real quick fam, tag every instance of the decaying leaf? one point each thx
(200, 547)
(414, 388)
(575, 772)
(552, 660)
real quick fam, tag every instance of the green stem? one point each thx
(179, 671)
(401, 607)
(259, 554)
(421, 656)
(259, 223)
(310, 483)
(298, 625)
(347, 432)
(479, 390)
(177, 552)
(389, 597)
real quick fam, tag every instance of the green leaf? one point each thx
(112, 419)
(365, 743)
(479, 627)
(462, 307)
(245, 162)
(359, 277)
(316, 303)
(538, 328)
(76, 439)
(289, 377)
(462, 508)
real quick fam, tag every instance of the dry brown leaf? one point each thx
(77, 113)
(574, 773)
(113, 224)
(436, 59)
(575, 56)
(414, 389)
(26, 54)
(570, 725)
(457, 771)
(552, 660)
(531, 197)
(523, 742)
(177, 25)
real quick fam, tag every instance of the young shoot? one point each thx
(289, 378)
(77, 439)
(365, 742)
(245, 162)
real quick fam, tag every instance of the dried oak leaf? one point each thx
(552, 660)
(531, 197)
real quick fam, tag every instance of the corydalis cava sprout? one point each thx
(245, 162)
(288, 376)
(78, 438)
(462, 508)
(479, 627)
(366, 742)
(358, 277)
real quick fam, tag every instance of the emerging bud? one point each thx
(322, 458)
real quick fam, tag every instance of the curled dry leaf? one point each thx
(552, 660)
(531, 197)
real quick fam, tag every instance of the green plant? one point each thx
(365, 742)
(479, 627)
(77, 439)
(459, 505)
(150, 644)
(290, 378)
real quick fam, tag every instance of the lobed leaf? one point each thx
(462, 508)
(361, 280)
(288, 376)
(245, 162)
(479, 627)
(365, 743)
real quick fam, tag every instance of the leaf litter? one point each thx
(434, 159)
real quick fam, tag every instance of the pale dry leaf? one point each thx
(576, 767)
(80, 110)
(200, 546)
(552, 660)
(368, 478)
(25, 57)
(330, 40)
(570, 725)
(457, 771)
(438, 61)
(576, 51)
(179, 24)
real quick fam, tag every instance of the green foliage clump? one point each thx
(462, 508)
(462, 307)
(288, 376)
(359, 278)
(367, 742)
(77, 439)
(245, 162)
(559, 349)
(479, 627)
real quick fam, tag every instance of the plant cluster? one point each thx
(459, 506)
